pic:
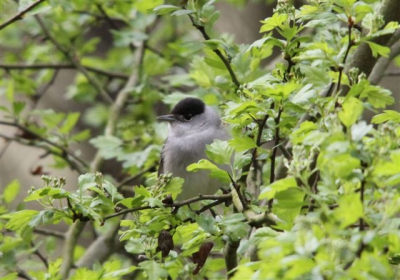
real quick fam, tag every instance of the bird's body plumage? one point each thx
(186, 143)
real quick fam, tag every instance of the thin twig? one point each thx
(20, 15)
(40, 256)
(39, 66)
(274, 150)
(217, 51)
(76, 229)
(65, 152)
(221, 198)
(350, 24)
(239, 193)
(43, 91)
(362, 226)
(106, 17)
(49, 232)
(92, 80)
(23, 274)
(133, 178)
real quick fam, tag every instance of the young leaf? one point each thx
(351, 111)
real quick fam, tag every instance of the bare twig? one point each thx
(21, 14)
(217, 51)
(92, 80)
(39, 66)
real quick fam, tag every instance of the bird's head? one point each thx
(190, 116)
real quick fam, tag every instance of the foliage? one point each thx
(314, 186)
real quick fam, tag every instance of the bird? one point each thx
(192, 126)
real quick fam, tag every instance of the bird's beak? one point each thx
(167, 118)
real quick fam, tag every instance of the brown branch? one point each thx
(40, 66)
(217, 51)
(221, 198)
(21, 14)
(92, 80)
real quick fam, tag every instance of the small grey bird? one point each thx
(192, 125)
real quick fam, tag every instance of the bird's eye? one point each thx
(188, 117)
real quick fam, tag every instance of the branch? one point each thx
(220, 198)
(20, 15)
(40, 66)
(40, 256)
(96, 84)
(134, 177)
(378, 72)
(350, 24)
(274, 151)
(49, 232)
(115, 111)
(217, 51)
(65, 152)
(101, 248)
(230, 254)
(362, 57)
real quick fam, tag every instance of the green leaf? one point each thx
(18, 107)
(242, 143)
(81, 136)
(339, 165)
(276, 20)
(69, 123)
(11, 191)
(388, 115)
(303, 131)
(215, 172)
(270, 191)
(378, 49)
(220, 152)
(351, 110)
(153, 270)
(19, 220)
(378, 97)
(174, 187)
(287, 206)
(350, 209)
(234, 226)
(109, 146)
(165, 9)
(11, 276)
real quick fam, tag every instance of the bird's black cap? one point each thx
(189, 106)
